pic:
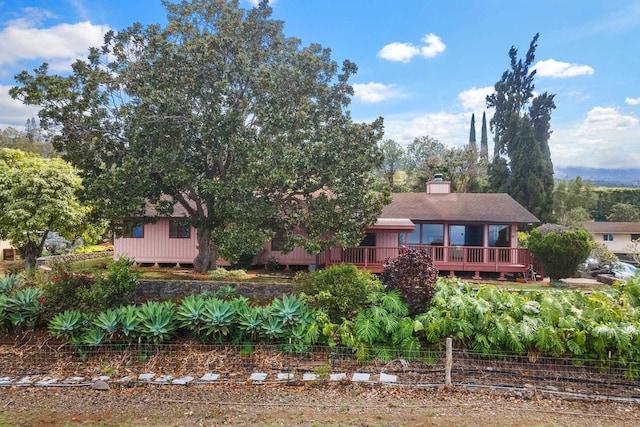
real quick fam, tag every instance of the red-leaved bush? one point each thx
(413, 275)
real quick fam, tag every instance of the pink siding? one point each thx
(156, 246)
(297, 256)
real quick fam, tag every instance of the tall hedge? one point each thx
(561, 249)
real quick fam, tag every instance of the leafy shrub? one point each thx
(222, 273)
(561, 249)
(69, 290)
(413, 275)
(340, 290)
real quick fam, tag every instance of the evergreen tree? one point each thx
(484, 142)
(521, 163)
(472, 134)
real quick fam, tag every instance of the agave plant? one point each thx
(10, 282)
(157, 320)
(217, 317)
(189, 314)
(129, 320)
(93, 337)
(273, 328)
(108, 322)
(250, 321)
(24, 307)
(66, 324)
(288, 310)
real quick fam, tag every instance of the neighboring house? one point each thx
(616, 236)
(463, 232)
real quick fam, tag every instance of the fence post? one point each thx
(448, 362)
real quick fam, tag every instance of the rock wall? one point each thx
(161, 290)
(48, 261)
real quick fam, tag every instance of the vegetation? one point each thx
(221, 273)
(339, 290)
(562, 250)
(218, 105)
(413, 275)
(624, 212)
(521, 163)
(37, 196)
(89, 292)
(603, 325)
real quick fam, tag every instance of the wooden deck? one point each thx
(453, 259)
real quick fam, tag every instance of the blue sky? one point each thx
(424, 65)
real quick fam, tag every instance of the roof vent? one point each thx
(437, 177)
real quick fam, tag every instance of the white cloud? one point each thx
(475, 99)
(404, 52)
(605, 138)
(63, 43)
(255, 3)
(450, 129)
(14, 113)
(555, 69)
(375, 92)
(632, 101)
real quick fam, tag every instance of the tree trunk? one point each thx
(207, 251)
(30, 252)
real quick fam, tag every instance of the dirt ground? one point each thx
(341, 404)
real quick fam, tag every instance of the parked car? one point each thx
(624, 270)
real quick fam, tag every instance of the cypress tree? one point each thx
(484, 142)
(472, 134)
(521, 163)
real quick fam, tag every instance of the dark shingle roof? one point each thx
(464, 207)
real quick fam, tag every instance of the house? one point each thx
(616, 236)
(463, 232)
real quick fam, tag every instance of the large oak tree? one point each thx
(218, 110)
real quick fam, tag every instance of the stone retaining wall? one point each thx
(48, 261)
(161, 290)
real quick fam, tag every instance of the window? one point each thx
(635, 236)
(466, 235)
(132, 230)
(500, 236)
(608, 237)
(427, 235)
(277, 243)
(179, 229)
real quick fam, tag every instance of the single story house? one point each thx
(463, 232)
(616, 236)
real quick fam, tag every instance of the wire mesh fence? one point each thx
(235, 363)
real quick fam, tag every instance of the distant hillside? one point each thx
(602, 177)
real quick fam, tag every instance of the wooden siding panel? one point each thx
(156, 246)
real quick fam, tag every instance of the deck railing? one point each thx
(459, 258)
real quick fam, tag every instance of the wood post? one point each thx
(448, 363)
